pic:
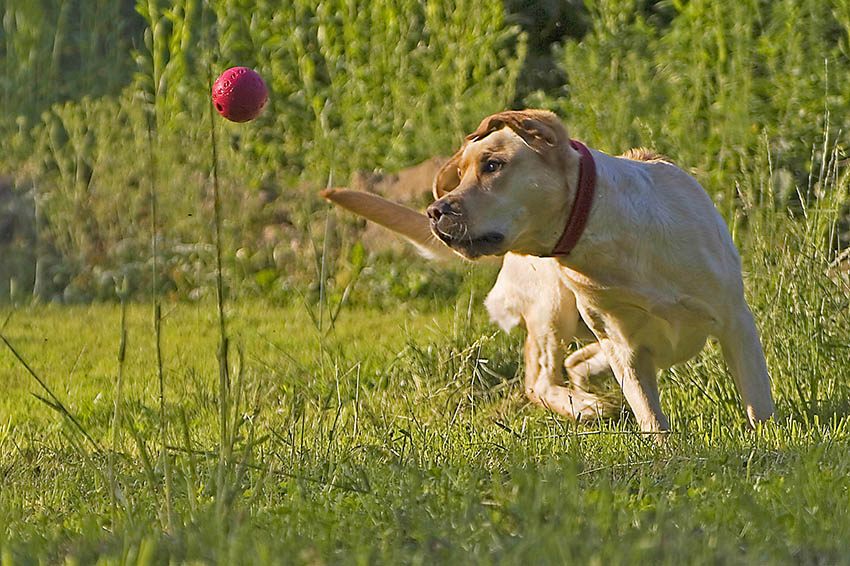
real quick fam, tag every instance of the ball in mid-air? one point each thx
(240, 94)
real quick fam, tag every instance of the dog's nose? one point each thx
(438, 209)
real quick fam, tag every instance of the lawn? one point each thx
(396, 436)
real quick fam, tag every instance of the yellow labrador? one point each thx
(628, 247)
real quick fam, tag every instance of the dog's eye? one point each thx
(491, 166)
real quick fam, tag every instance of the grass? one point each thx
(396, 439)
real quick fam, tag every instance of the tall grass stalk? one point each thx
(116, 412)
(223, 372)
(157, 315)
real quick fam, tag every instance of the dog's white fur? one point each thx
(653, 275)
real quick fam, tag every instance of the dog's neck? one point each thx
(580, 211)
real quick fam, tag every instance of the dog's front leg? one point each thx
(745, 357)
(636, 373)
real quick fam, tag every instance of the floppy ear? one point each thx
(448, 178)
(539, 129)
(537, 134)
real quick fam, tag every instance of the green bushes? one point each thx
(366, 84)
(353, 84)
(714, 85)
(747, 95)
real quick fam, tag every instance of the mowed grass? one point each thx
(401, 436)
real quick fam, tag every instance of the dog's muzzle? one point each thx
(449, 225)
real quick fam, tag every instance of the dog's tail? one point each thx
(409, 223)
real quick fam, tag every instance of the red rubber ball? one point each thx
(240, 94)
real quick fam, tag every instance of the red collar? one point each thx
(585, 191)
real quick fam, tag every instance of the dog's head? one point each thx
(508, 188)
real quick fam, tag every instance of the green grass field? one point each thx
(398, 436)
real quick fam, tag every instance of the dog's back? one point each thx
(646, 154)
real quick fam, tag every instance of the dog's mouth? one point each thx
(471, 247)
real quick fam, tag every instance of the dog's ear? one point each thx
(448, 178)
(539, 135)
(541, 130)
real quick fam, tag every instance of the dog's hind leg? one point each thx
(745, 357)
(544, 382)
(588, 368)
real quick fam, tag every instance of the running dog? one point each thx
(628, 251)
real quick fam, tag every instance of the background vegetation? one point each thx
(101, 102)
(367, 413)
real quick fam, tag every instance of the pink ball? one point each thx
(240, 94)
